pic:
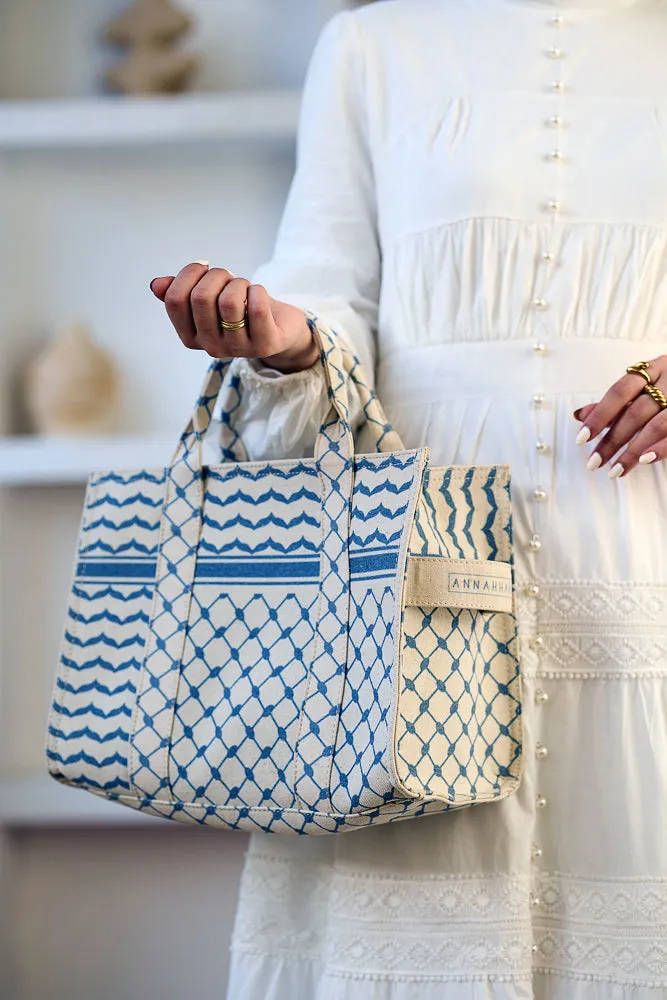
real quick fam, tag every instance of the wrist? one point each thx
(296, 359)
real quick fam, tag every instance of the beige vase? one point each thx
(72, 387)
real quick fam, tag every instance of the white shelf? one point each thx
(41, 800)
(32, 461)
(117, 120)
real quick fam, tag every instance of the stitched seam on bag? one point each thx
(169, 728)
(133, 756)
(67, 652)
(401, 585)
(316, 641)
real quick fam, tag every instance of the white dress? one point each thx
(480, 204)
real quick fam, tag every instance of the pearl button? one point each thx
(540, 303)
(539, 348)
(539, 494)
(542, 447)
(557, 85)
(538, 641)
(538, 399)
(553, 205)
(541, 751)
(541, 696)
(536, 852)
(535, 543)
(556, 20)
(554, 52)
(532, 589)
(556, 154)
(533, 948)
(547, 256)
(535, 901)
(555, 121)
(540, 802)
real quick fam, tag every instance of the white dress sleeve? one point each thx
(326, 256)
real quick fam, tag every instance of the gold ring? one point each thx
(656, 394)
(232, 326)
(640, 369)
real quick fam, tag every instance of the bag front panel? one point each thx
(458, 726)
(106, 630)
(384, 499)
(250, 637)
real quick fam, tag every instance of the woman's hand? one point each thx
(198, 297)
(633, 419)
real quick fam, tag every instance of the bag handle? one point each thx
(339, 364)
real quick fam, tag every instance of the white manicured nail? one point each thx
(583, 436)
(202, 262)
(594, 462)
(648, 456)
(616, 471)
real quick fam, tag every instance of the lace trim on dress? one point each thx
(611, 631)
(613, 929)
(445, 928)
(368, 926)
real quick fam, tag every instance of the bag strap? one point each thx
(340, 365)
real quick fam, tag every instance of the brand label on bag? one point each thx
(438, 582)
(477, 583)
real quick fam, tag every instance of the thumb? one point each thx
(159, 286)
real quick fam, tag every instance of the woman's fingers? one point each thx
(159, 286)
(177, 302)
(198, 299)
(267, 338)
(614, 401)
(632, 419)
(221, 295)
(583, 411)
(651, 440)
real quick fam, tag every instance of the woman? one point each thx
(480, 207)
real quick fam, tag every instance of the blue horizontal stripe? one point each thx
(117, 569)
(269, 570)
(374, 563)
(265, 570)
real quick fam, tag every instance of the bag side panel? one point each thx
(458, 727)
(384, 500)
(105, 631)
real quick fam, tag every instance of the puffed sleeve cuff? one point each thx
(281, 414)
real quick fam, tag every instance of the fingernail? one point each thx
(202, 262)
(583, 436)
(576, 414)
(151, 284)
(648, 456)
(616, 471)
(594, 462)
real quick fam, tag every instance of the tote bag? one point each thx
(298, 646)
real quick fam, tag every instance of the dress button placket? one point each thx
(553, 160)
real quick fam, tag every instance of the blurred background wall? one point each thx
(101, 191)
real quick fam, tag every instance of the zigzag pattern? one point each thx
(233, 639)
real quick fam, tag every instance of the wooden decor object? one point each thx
(150, 29)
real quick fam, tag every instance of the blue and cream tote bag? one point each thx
(299, 646)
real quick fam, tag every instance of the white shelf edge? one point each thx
(39, 460)
(40, 800)
(144, 120)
